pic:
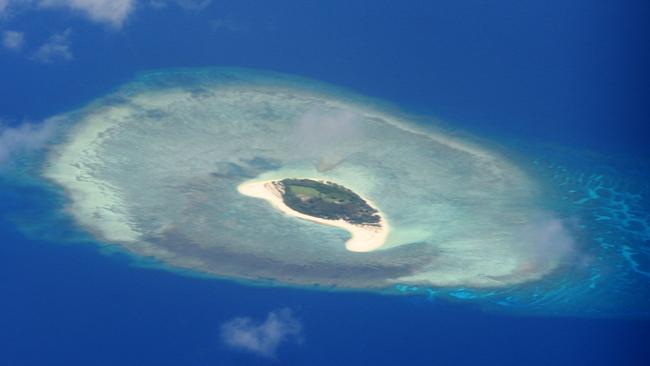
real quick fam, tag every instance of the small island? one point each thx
(327, 200)
(327, 203)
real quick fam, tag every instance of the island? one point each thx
(327, 203)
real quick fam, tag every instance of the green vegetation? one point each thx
(327, 200)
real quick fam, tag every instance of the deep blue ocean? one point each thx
(560, 80)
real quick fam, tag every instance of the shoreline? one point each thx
(364, 238)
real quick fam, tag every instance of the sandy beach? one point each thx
(364, 238)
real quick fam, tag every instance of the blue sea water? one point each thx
(562, 83)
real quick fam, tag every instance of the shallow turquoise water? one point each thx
(603, 273)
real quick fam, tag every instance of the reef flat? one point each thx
(155, 167)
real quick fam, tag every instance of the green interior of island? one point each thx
(327, 200)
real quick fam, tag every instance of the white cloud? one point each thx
(158, 4)
(13, 40)
(26, 137)
(546, 243)
(8, 7)
(193, 4)
(228, 24)
(325, 135)
(57, 48)
(185, 4)
(262, 338)
(113, 12)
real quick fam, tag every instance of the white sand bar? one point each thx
(365, 238)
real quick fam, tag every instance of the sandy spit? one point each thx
(364, 238)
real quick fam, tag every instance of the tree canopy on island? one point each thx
(327, 200)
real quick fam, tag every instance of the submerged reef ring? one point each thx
(155, 167)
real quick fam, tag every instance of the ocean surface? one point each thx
(560, 85)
